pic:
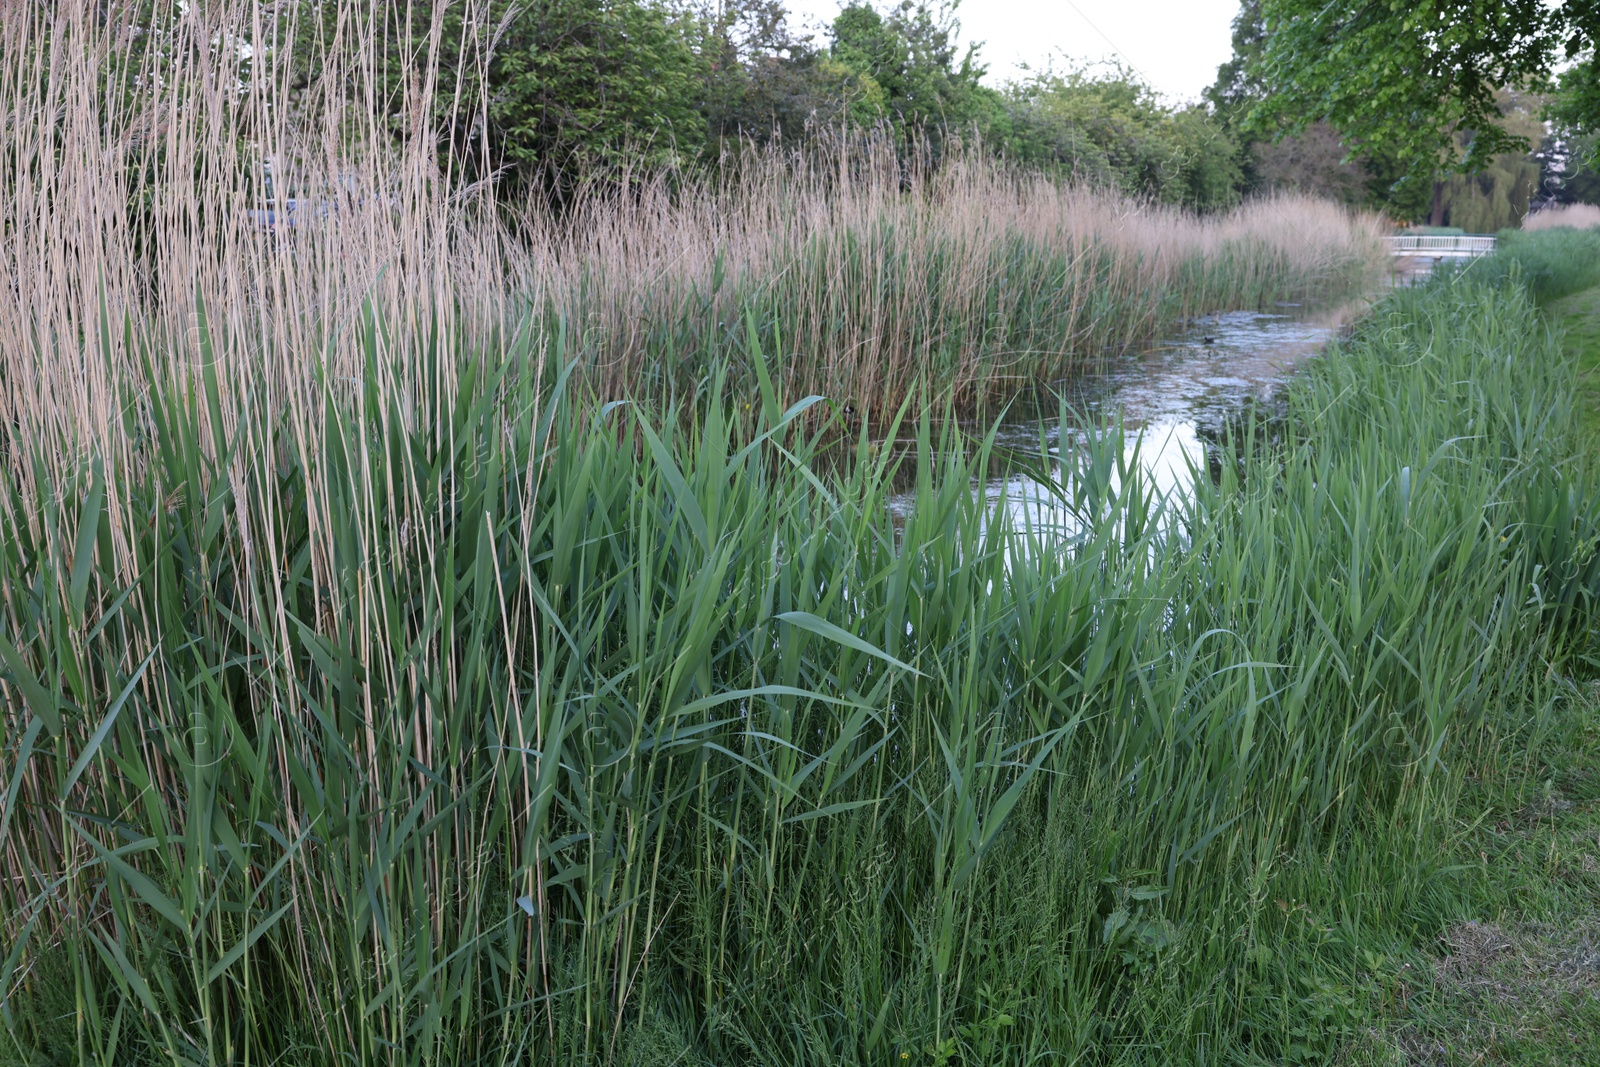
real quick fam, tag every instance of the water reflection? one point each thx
(1173, 399)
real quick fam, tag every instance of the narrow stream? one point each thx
(1168, 396)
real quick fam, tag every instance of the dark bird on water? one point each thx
(1209, 340)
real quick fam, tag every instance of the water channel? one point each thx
(1170, 397)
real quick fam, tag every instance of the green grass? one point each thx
(1514, 976)
(1550, 264)
(366, 696)
(1519, 982)
(1541, 866)
(559, 733)
(1578, 316)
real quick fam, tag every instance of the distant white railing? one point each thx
(1420, 245)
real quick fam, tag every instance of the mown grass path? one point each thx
(1519, 982)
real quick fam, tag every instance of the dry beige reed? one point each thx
(132, 163)
(975, 279)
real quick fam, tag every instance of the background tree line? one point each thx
(539, 97)
(580, 87)
(1454, 112)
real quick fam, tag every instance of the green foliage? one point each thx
(1497, 195)
(1239, 87)
(1205, 158)
(1319, 133)
(541, 97)
(470, 725)
(1550, 264)
(1575, 107)
(529, 92)
(620, 90)
(1113, 130)
(1575, 113)
(763, 83)
(1311, 157)
(1492, 199)
(543, 92)
(927, 85)
(1412, 79)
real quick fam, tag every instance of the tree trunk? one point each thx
(1436, 216)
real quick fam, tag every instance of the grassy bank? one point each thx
(556, 732)
(1511, 975)
(1550, 263)
(1559, 265)
(434, 638)
(1515, 978)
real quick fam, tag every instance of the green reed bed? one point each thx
(556, 733)
(1550, 263)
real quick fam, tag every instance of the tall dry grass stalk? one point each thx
(974, 280)
(1575, 216)
(132, 161)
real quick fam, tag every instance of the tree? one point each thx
(1314, 161)
(551, 91)
(1239, 87)
(1109, 128)
(533, 94)
(1497, 195)
(1575, 107)
(765, 83)
(1415, 80)
(927, 84)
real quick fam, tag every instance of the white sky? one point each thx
(1176, 45)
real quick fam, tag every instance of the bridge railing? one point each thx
(1411, 244)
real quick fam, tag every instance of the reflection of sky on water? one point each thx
(1167, 398)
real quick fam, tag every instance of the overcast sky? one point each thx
(1176, 45)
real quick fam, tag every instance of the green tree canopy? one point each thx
(765, 82)
(542, 91)
(1575, 108)
(1110, 128)
(1239, 85)
(928, 85)
(539, 97)
(1416, 79)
